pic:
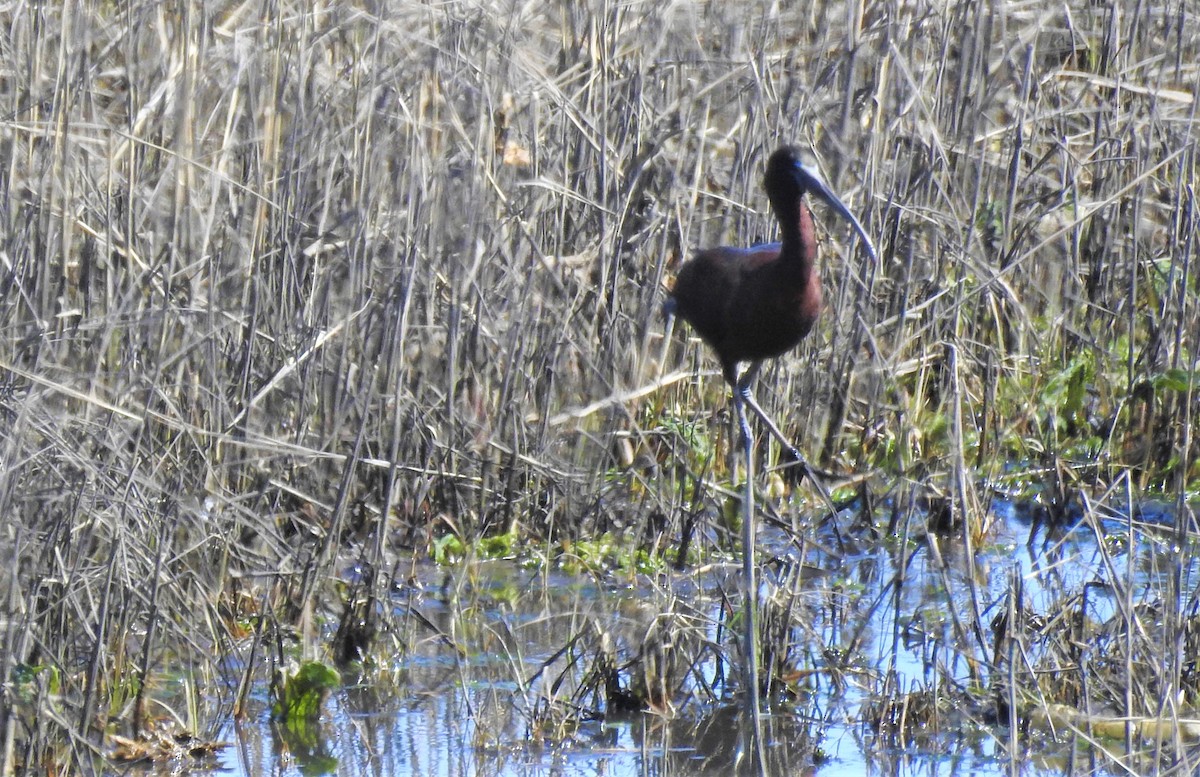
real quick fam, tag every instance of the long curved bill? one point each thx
(814, 184)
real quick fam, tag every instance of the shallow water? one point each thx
(861, 624)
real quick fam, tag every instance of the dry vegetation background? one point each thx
(283, 283)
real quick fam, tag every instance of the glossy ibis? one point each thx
(751, 304)
(757, 303)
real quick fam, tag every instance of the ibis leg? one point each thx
(743, 387)
(750, 616)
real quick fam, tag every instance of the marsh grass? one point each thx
(290, 290)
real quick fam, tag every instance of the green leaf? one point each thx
(302, 694)
(1176, 380)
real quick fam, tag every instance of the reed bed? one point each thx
(289, 289)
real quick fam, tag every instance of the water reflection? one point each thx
(894, 661)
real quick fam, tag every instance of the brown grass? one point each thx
(286, 284)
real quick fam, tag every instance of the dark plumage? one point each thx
(751, 304)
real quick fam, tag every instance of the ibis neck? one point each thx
(798, 239)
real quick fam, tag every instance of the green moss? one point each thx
(607, 554)
(448, 549)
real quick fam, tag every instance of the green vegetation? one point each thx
(301, 692)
